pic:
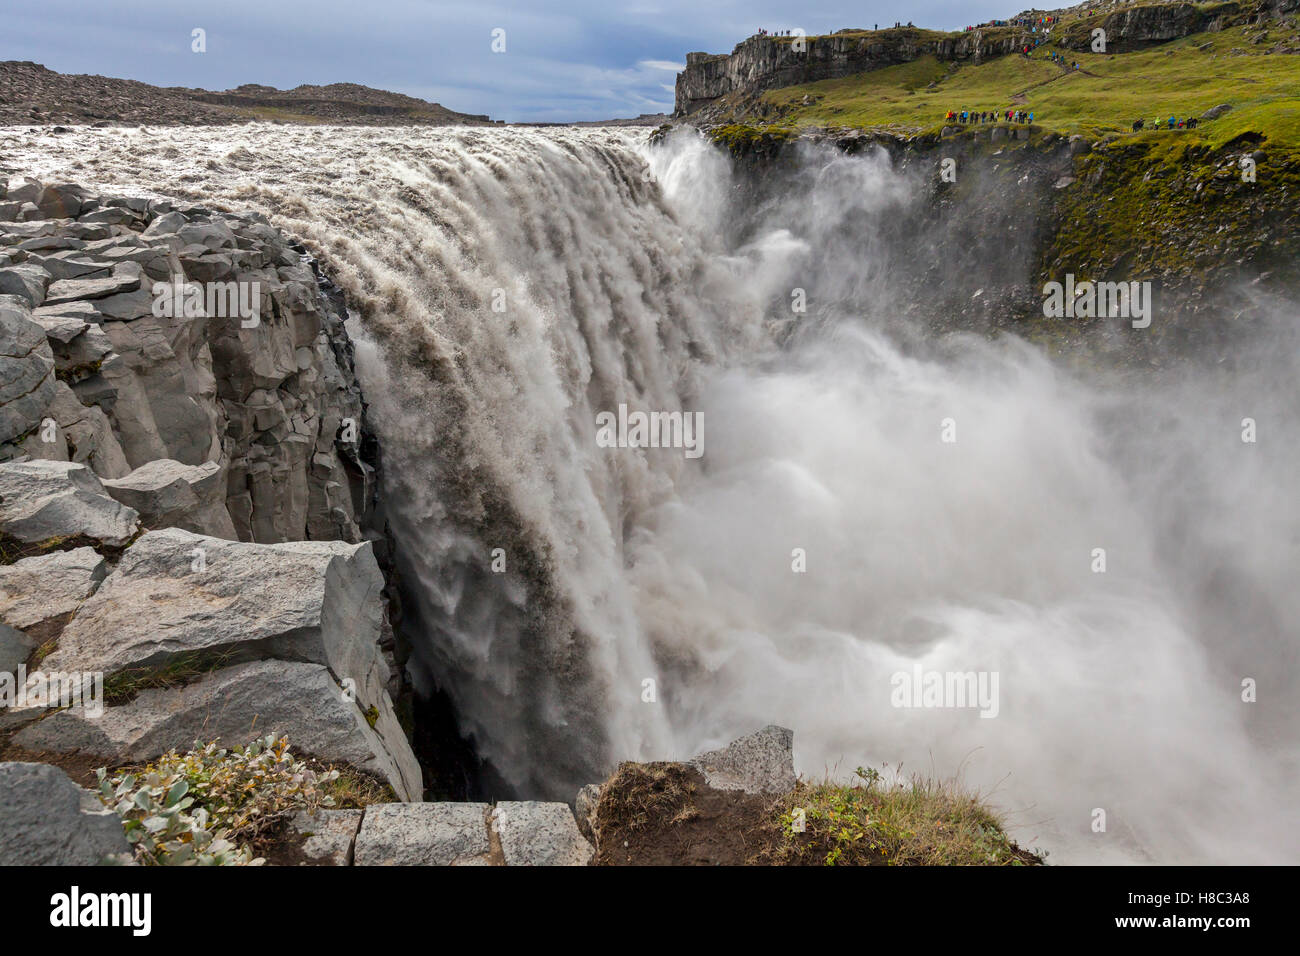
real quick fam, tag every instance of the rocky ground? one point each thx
(30, 94)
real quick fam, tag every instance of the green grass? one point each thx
(921, 823)
(1183, 78)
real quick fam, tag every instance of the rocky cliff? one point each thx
(1224, 249)
(766, 62)
(183, 492)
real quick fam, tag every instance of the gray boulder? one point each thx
(167, 493)
(47, 820)
(25, 281)
(61, 201)
(25, 189)
(762, 762)
(316, 601)
(424, 834)
(44, 500)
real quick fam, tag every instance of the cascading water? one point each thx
(514, 284)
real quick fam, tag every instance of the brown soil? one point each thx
(664, 814)
(79, 766)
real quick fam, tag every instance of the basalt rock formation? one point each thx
(184, 495)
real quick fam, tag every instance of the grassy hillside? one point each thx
(1181, 78)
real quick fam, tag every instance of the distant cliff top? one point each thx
(1236, 63)
(30, 94)
(726, 87)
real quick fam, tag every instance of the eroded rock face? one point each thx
(133, 332)
(47, 820)
(765, 62)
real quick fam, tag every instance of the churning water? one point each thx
(512, 285)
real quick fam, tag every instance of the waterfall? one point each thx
(583, 604)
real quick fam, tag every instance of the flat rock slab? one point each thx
(539, 834)
(176, 593)
(235, 706)
(40, 589)
(41, 500)
(762, 762)
(424, 834)
(47, 820)
(124, 279)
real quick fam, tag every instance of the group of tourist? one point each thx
(1061, 60)
(989, 116)
(1189, 122)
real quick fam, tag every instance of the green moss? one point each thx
(1162, 206)
(742, 139)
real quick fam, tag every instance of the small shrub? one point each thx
(211, 806)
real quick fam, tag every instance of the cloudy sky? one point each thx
(564, 59)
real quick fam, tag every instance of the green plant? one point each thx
(923, 822)
(211, 806)
(163, 831)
